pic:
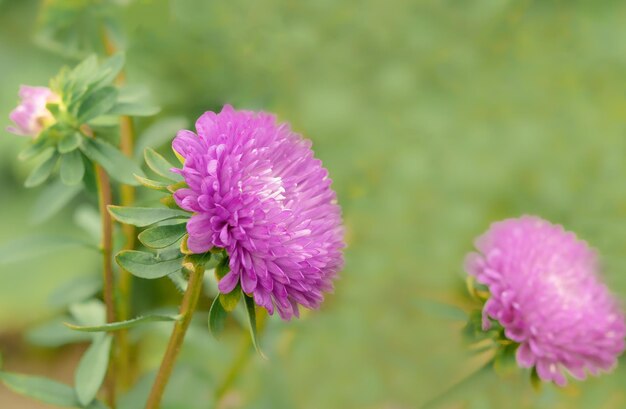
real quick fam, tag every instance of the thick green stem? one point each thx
(187, 308)
(104, 200)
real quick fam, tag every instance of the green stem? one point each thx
(127, 199)
(187, 307)
(104, 200)
(458, 386)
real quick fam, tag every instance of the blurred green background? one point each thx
(433, 117)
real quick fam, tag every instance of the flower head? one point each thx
(31, 116)
(257, 191)
(547, 295)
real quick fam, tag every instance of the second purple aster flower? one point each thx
(256, 190)
(546, 293)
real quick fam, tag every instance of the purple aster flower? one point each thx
(31, 116)
(548, 296)
(257, 191)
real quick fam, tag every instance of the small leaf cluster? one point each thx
(85, 118)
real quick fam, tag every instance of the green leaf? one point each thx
(162, 236)
(110, 68)
(97, 103)
(251, 311)
(535, 381)
(132, 323)
(52, 199)
(160, 165)
(89, 313)
(42, 172)
(70, 143)
(92, 369)
(76, 290)
(54, 334)
(117, 165)
(134, 109)
(36, 148)
(41, 389)
(145, 216)
(217, 317)
(159, 133)
(152, 184)
(222, 268)
(146, 265)
(26, 248)
(72, 168)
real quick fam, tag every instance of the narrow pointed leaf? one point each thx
(251, 311)
(45, 390)
(34, 149)
(109, 69)
(42, 172)
(160, 165)
(217, 318)
(72, 168)
(70, 142)
(146, 265)
(116, 326)
(117, 165)
(229, 301)
(92, 369)
(162, 236)
(144, 216)
(152, 184)
(97, 103)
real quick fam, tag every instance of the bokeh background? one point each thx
(433, 117)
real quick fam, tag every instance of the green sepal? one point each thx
(178, 185)
(152, 184)
(169, 201)
(230, 300)
(160, 165)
